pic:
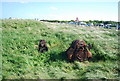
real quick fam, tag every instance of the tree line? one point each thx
(90, 21)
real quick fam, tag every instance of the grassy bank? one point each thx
(20, 58)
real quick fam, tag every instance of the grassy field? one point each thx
(20, 58)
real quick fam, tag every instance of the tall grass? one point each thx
(20, 58)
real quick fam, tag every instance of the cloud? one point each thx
(53, 8)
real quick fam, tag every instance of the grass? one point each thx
(20, 58)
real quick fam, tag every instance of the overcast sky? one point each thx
(61, 10)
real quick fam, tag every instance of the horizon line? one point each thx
(60, 19)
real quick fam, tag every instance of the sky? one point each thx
(69, 10)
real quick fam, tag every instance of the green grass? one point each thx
(20, 58)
